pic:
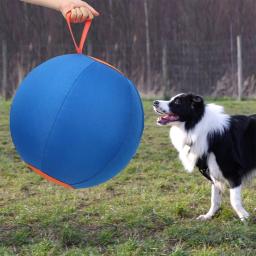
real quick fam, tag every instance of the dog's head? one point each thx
(185, 108)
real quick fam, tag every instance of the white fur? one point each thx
(193, 144)
(215, 203)
(213, 120)
(163, 106)
(215, 172)
(236, 202)
(174, 97)
(217, 187)
(249, 177)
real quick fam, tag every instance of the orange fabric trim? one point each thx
(107, 64)
(47, 177)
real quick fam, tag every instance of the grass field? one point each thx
(148, 209)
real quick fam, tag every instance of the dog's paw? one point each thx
(204, 217)
(245, 217)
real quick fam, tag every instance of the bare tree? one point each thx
(164, 46)
(148, 59)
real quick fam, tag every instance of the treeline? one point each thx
(164, 46)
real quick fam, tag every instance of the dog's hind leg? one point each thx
(215, 203)
(236, 202)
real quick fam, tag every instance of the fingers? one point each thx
(80, 10)
(73, 15)
(86, 14)
(81, 14)
(93, 11)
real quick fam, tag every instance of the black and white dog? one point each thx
(223, 147)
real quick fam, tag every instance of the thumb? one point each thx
(94, 12)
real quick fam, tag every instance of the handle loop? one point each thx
(79, 49)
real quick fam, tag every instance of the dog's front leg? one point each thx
(188, 158)
(236, 202)
(215, 204)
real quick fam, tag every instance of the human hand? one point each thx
(80, 10)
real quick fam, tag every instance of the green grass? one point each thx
(148, 209)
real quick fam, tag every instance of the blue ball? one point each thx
(76, 121)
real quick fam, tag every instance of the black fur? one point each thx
(189, 107)
(235, 149)
(203, 167)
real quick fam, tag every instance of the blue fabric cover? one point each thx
(77, 120)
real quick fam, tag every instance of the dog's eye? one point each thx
(177, 101)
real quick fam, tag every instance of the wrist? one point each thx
(65, 6)
(53, 4)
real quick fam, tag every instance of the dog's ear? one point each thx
(197, 99)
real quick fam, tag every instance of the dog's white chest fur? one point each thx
(193, 144)
(201, 140)
(183, 144)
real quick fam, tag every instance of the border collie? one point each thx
(223, 147)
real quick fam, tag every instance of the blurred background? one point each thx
(164, 46)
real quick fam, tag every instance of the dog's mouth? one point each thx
(168, 118)
(165, 117)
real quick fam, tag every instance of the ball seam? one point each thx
(59, 112)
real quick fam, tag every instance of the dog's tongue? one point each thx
(167, 119)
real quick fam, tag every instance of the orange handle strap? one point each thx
(87, 25)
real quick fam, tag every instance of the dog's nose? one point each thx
(156, 103)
